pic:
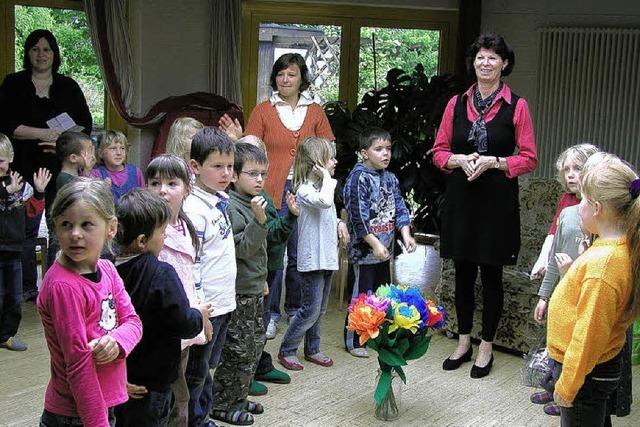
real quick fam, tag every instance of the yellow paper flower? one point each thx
(405, 317)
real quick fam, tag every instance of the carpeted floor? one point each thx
(328, 397)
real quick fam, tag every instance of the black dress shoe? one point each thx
(478, 372)
(450, 364)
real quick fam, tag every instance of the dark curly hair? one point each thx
(32, 39)
(283, 63)
(496, 43)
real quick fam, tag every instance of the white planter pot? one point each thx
(420, 269)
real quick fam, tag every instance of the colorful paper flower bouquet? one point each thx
(395, 322)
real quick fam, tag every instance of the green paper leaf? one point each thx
(384, 383)
(402, 346)
(419, 348)
(391, 357)
(401, 374)
(372, 344)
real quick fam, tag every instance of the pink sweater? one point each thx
(74, 311)
(178, 251)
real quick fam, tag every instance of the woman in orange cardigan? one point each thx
(286, 119)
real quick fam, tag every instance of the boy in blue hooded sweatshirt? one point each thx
(375, 210)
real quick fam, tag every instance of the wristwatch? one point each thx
(497, 166)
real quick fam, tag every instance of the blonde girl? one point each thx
(568, 166)
(168, 176)
(318, 232)
(599, 296)
(89, 322)
(113, 148)
(180, 135)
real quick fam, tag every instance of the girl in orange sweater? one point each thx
(599, 296)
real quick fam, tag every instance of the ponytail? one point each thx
(633, 240)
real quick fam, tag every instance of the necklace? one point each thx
(42, 86)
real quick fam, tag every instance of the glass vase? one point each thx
(391, 405)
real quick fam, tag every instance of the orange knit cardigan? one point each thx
(281, 143)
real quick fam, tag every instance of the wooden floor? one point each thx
(337, 396)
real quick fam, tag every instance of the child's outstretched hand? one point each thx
(15, 183)
(290, 198)
(408, 241)
(88, 161)
(105, 349)
(343, 234)
(231, 127)
(564, 261)
(540, 311)
(136, 391)
(41, 179)
(258, 206)
(206, 312)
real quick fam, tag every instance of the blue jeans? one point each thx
(292, 278)
(307, 322)
(202, 358)
(151, 411)
(49, 419)
(10, 295)
(367, 277)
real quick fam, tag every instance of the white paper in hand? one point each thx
(63, 122)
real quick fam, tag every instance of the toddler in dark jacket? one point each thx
(161, 303)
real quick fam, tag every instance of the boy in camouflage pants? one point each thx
(245, 334)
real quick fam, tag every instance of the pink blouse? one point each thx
(524, 161)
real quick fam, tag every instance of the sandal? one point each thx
(290, 362)
(254, 407)
(238, 418)
(319, 359)
(551, 408)
(541, 397)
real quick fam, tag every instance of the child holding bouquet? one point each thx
(318, 230)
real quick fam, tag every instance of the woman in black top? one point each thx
(28, 99)
(485, 141)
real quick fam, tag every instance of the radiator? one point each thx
(588, 91)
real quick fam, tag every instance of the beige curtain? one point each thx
(224, 67)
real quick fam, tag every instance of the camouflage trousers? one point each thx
(240, 354)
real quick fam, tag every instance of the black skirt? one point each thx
(481, 219)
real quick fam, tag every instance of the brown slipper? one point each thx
(319, 359)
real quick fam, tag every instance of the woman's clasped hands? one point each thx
(474, 165)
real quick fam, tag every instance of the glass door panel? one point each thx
(389, 48)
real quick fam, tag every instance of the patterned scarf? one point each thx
(478, 133)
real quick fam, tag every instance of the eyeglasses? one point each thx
(255, 174)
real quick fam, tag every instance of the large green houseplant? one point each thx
(410, 107)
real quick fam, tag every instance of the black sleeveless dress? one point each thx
(481, 219)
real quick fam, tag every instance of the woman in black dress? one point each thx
(485, 141)
(28, 99)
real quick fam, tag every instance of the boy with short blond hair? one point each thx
(18, 200)
(212, 158)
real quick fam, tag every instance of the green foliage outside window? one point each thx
(78, 58)
(395, 48)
